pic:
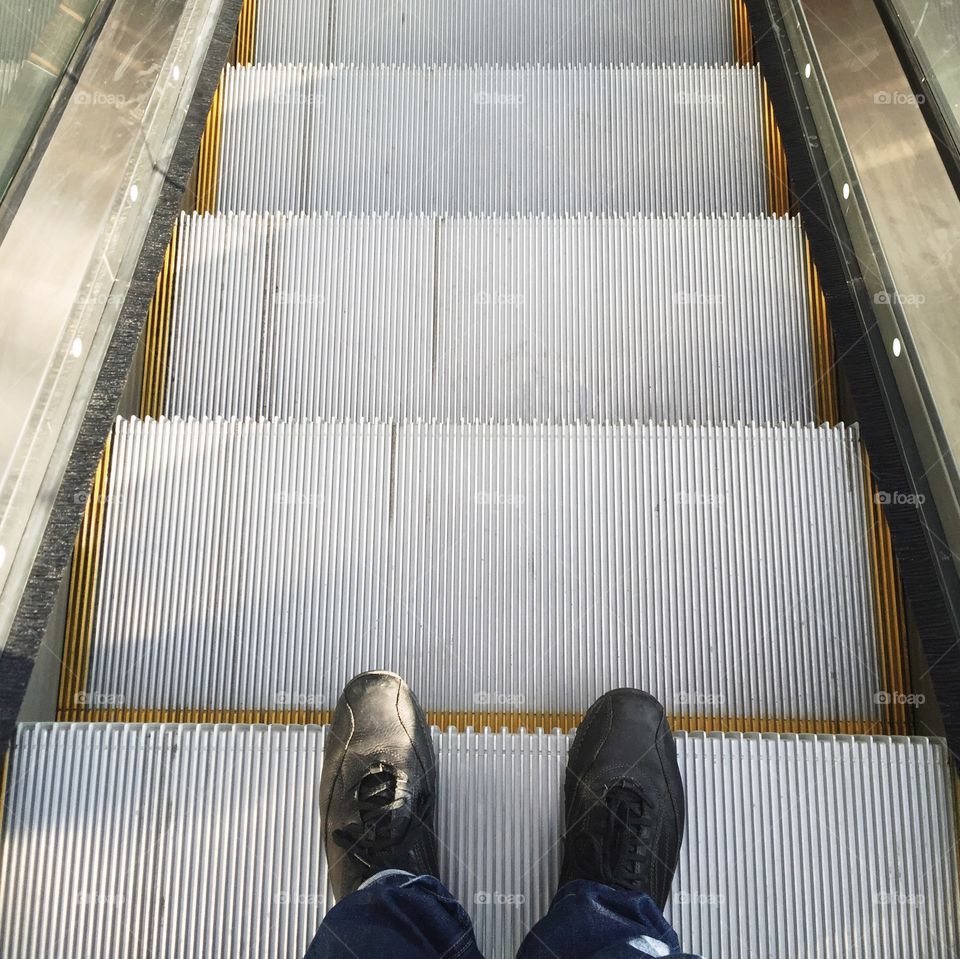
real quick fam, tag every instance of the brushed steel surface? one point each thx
(261, 565)
(494, 140)
(506, 32)
(531, 319)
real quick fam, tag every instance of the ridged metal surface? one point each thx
(205, 841)
(656, 140)
(261, 565)
(487, 319)
(506, 32)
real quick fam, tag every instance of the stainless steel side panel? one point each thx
(903, 215)
(67, 259)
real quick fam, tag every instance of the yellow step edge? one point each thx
(244, 44)
(208, 162)
(888, 609)
(887, 590)
(84, 572)
(157, 335)
(824, 355)
(480, 719)
(778, 180)
(742, 34)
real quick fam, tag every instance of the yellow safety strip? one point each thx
(887, 590)
(157, 336)
(778, 180)
(824, 355)
(512, 722)
(83, 590)
(742, 34)
(208, 162)
(244, 48)
(888, 607)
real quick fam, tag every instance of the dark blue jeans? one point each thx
(399, 916)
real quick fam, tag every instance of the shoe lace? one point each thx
(628, 834)
(616, 840)
(382, 794)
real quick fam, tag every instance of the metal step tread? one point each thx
(185, 841)
(257, 566)
(494, 31)
(534, 318)
(492, 140)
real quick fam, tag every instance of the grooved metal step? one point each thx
(486, 319)
(658, 140)
(185, 841)
(519, 570)
(507, 32)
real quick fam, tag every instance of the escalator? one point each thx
(490, 356)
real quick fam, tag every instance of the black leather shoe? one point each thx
(378, 785)
(624, 797)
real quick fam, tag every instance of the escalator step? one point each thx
(187, 841)
(522, 570)
(388, 318)
(507, 32)
(658, 140)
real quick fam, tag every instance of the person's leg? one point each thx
(624, 824)
(591, 920)
(399, 916)
(377, 794)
